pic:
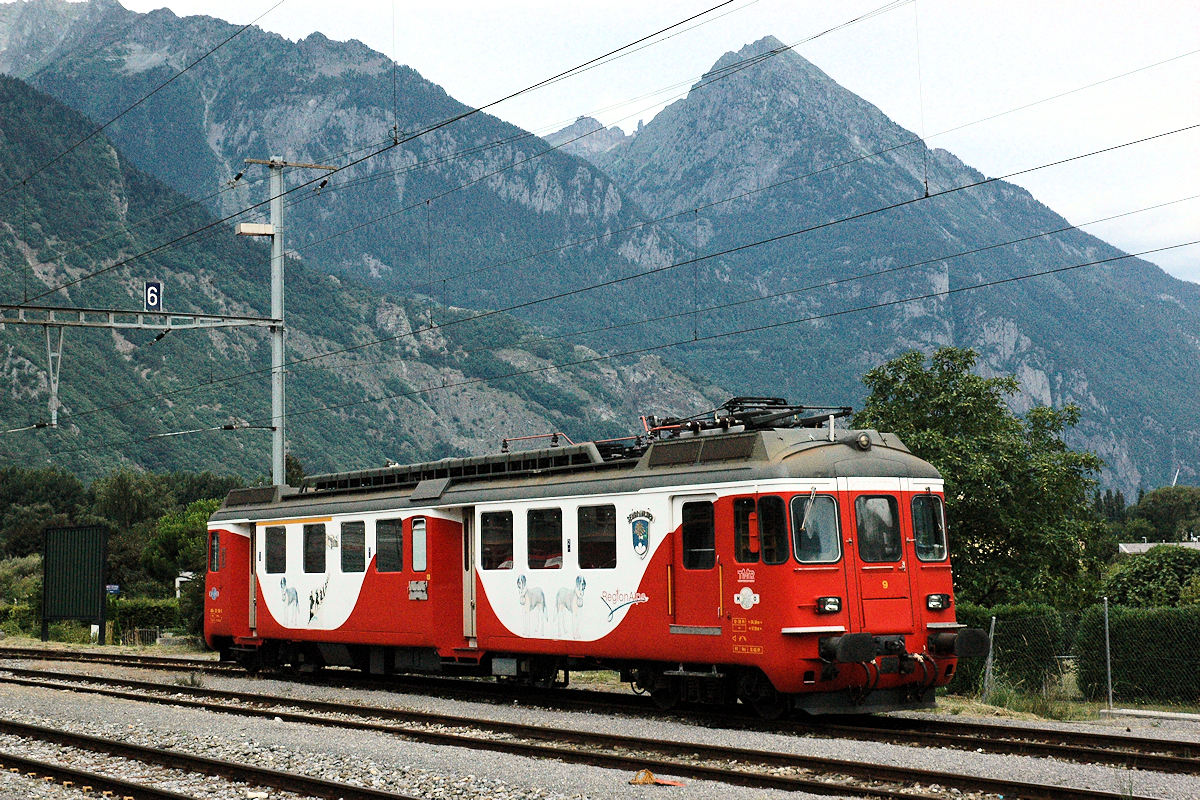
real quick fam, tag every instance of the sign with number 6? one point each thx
(152, 295)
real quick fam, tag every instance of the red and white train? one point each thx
(756, 554)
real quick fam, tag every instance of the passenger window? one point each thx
(598, 536)
(314, 548)
(929, 527)
(699, 540)
(276, 549)
(815, 529)
(545, 538)
(878, 528)
(772, 529)
(745, 535)
(496, 540)
(214, 551)
(389, 545)
(354, 541)
(419, 558)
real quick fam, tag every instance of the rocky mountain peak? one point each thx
(587, 138)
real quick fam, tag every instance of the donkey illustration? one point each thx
(291, 602)
(533, 600)
(567, 605)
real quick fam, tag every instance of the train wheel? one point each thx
(757, 692)
(666, 696)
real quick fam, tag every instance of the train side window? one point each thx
(214, 551)
(389, 545)
(545, 538)
(745, 530)
(276, 549)
(878, 528)
(314, 547)
(929, 527)
(598, 536)
(815, 530)
(354, 546)
(699, 537)
(496, 540)
(419, 555)
(772, 529)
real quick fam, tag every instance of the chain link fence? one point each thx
(1117, 656)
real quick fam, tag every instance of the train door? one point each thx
(880, 558)
(253, 610)
(697, 600)
(468, 538)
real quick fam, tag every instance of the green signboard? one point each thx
(74, 564)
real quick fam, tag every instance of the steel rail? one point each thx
(186, 762)
(85, 781)
(624, 747)
(1136, 752)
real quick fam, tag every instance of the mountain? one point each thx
(431, 216)
(91, 210)
(588, 138)
(1118, 339)
(481, 214)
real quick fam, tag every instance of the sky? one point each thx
(941, 68)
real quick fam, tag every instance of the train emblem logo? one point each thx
(746, 598)
(639, 522)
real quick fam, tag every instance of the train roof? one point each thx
(699, 457)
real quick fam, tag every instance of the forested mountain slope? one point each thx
(91, 210)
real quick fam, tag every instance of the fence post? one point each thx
(1107, 654)
(987, 669)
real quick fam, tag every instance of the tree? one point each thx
(128, 497)
(1173, 511)
(1021, 520)
(179, 541)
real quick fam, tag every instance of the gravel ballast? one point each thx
(439, 771)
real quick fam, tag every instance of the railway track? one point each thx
(1127, 751)
(169, 766)
(740, 766)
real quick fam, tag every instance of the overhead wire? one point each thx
(600, 357)
(395, 141)
(756, 243)
(831, 282)
(703, 206)
(778, 237)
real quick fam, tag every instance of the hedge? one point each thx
(127, 614)
(1029, 637)
(1155, 653)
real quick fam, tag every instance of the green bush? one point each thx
(1154, 578)
(1029, 637)
(20, 618)
(1154, 653)
(128, 614)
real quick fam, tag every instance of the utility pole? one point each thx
(275, 231)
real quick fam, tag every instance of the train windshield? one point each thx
(815, 530)
(878, 528)
(929, 527)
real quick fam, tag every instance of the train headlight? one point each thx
(863, 441)
(937, 602)
(829, 605)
